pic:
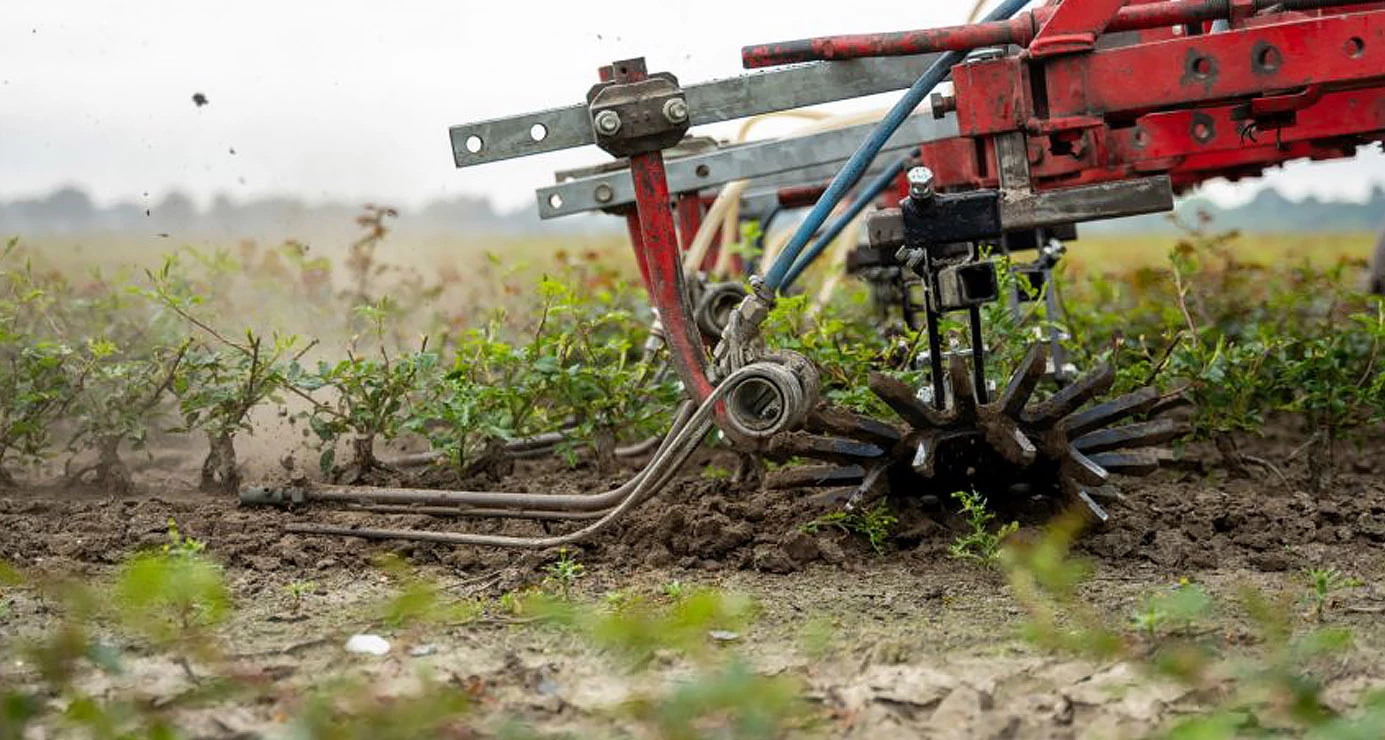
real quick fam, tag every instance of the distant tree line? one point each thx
(71, 211)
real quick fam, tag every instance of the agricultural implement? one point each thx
(1055, 116)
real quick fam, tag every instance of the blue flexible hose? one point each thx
(856, 167)
(868, 194)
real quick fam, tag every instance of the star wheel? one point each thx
(1065, 446)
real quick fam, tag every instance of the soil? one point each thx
(921, 644)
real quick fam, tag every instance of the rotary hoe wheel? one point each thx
(1010, 447)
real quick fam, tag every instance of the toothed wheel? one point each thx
(1008, 446)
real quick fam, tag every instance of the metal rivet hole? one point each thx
(555, 201)
(1268, 59)
(1355, 47)
(703, 170)
(538, 132)
(474, 144)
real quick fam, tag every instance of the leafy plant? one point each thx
(298, 591)
(563, 573)
(1334, 377)
(371, 398)
(117, 397)
(874, 523)
(978, 542)
(174, 597)
(1175, 608)
(1324, 584)
(221, 381)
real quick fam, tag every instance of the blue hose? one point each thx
(868, 194)
(856, 167)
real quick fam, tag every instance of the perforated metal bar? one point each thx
(709, 102)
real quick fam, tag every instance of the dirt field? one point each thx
(911, 643)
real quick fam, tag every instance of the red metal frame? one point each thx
(654, 237)
(1108, 90)
(1275, 87)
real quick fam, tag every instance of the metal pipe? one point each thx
(678, 447)
(257, 495)
(1019, 31)
(449, 511)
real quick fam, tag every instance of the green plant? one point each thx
(1176, 608)
(563, 573)
(673, 590)
(874, 523)
(218, 385)
(117, 395)
(418, 600)
(298, 591)
(35, 389)
(978, 542)
(174, 598)
(371, 397)
(1324, 584)
(1335, 380)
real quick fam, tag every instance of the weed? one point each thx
(875, 524)
(674, 590)
(1324, 584)
(298, 591)
(181, 545)
(563, 573)
(419, 601)
(715, 472)
(979, 543)
(1176, 608)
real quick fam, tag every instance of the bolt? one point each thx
(920, 183)
(604, 193)
(676, 110)
(985, 55)
(608, 122)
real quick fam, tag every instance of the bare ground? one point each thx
(911, 643)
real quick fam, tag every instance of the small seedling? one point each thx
(563, 573)
(979, 543)
(715, 472)
(1325, 582)
(297, 591)
(674, 590)
(181, 545)
(1177, 608)
(875, 524)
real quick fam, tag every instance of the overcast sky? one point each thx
(352, 100)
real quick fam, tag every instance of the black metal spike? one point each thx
(1071, 398)
(815, 476)
(1128, 462)
(818, 447)
(1144, 434)
(1022, 384)
(847, 424)
(1107, 413)
(874, 477)
(902, 399)
(1085, 470)
(964, 402)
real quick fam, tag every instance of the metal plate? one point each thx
(740, 162)
(708, 102)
